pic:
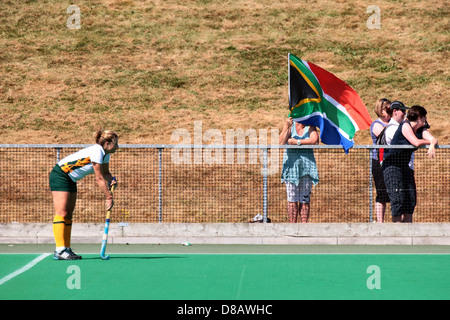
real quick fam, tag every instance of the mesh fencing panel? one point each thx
(213, 185)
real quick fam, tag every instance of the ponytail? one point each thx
(103, 136)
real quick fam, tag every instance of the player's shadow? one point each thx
(135, 257)
(143, 257)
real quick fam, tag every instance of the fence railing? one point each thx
(214, 183)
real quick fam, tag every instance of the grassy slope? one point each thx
(145, 68)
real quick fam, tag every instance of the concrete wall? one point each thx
(238, 233)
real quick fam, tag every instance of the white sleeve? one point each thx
(390, 132)
(97, 155)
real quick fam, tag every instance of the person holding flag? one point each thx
(317, 99)
(299, 168)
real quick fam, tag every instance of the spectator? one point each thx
(398, 176)
(381, 110)
(299, 168)
(397, 112)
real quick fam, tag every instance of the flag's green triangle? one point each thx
(303, 87)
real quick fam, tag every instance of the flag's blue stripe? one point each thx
(329, 134)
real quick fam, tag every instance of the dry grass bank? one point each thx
(145, 68)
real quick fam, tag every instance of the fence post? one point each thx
(265, 184)
(370, 186)
(160, 184)
(58, 154)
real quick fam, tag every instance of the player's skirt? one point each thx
(60, 181)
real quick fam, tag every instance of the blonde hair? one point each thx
(103, 136)
(381, 105)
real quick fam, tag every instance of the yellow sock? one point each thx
(58, 231)
(67, 232)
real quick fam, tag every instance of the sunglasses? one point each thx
(383, 102)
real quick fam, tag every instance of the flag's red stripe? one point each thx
(344, 94)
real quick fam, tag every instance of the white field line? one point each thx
(24, 268)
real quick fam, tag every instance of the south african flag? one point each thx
(318, 98)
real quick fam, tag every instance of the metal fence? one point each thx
(213, 184)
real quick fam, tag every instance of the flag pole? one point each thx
(289, 82)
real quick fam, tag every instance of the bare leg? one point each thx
(64, 203)
(380, 209)
(292, 211)
(304, 212)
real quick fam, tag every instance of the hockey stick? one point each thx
(105, 233)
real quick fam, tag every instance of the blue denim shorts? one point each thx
(301, 192)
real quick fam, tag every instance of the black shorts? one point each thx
(60, 181)
(378, 178)
(401, 188)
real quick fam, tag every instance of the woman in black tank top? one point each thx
(398, 177)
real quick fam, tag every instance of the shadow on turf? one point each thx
(133, 257)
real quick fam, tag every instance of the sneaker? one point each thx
(77, 257)
(66, 254)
